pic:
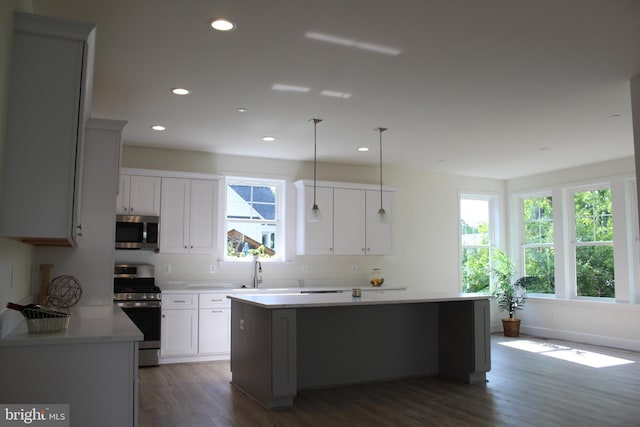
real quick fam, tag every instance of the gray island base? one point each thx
(284, 343)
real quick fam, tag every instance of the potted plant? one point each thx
(509, 295)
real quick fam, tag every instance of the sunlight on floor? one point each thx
(588, 358)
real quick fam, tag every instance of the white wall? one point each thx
(426, 224)
(427, 246)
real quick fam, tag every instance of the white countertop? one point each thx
(186, 289)
(372, 297)
(88, 324)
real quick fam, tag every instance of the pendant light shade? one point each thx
(381, 211)
(315, 215)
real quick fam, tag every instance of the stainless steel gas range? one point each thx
(135, 291)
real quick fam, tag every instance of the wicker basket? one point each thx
(45, 323)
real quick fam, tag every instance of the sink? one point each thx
(328, 291)
(260, 290)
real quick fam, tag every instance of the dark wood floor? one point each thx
(524, 389)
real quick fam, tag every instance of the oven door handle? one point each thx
(139, 304)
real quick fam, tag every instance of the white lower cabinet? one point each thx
(214, 324)
(195, 327)
(179, 327)
(214, 331)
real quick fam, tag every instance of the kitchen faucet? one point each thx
(257, 273)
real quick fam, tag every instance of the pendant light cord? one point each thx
(315, 159)
(380, 130)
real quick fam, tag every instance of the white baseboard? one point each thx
(165, 360)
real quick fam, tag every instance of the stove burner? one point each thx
(135, 289)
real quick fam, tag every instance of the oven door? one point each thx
(146, 315)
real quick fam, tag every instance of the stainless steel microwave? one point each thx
(137, 232)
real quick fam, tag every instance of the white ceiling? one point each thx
(491, 88)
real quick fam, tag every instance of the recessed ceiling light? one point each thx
(335, 94)
(289, 88)
(242, 110)
(268, 138)
(363, 148)
(180, 91)
(158, 127)
(222, 24)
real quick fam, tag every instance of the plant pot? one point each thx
(511, 327)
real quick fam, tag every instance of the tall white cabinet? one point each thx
(188, 222)
(49, 100)
(350, 225)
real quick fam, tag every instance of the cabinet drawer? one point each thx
(179, 301)
(214, 301)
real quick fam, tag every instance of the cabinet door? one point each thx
(349, 224)
(202, 218)
(380, 233)
(122, 200)
(42, 166)
(179, 332)
(174, 224)
(144, 195)
(214, 330)
(318, 235)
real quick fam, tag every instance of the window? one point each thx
(582, 242)
(593, 243)
(254, 218)
(537, 243)
(476, 239)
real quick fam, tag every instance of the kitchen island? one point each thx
(284, 343)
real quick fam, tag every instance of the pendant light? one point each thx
(315, 215)
(381, 211)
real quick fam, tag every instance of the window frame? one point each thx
(573, 243)
(520, 224)
(493, 233)
(626, 235)
(279, 222)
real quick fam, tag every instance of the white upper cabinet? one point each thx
(138, 195)
(315, 238)
(350, 225)
(349, 231)
(188, 216)
(49, 99)
(380, 233)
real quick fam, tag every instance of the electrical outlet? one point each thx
(354, 268)
(212, 268)
(167, 268)
(306, 269)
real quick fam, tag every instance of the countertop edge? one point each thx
(343, 300)
(88, 325)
